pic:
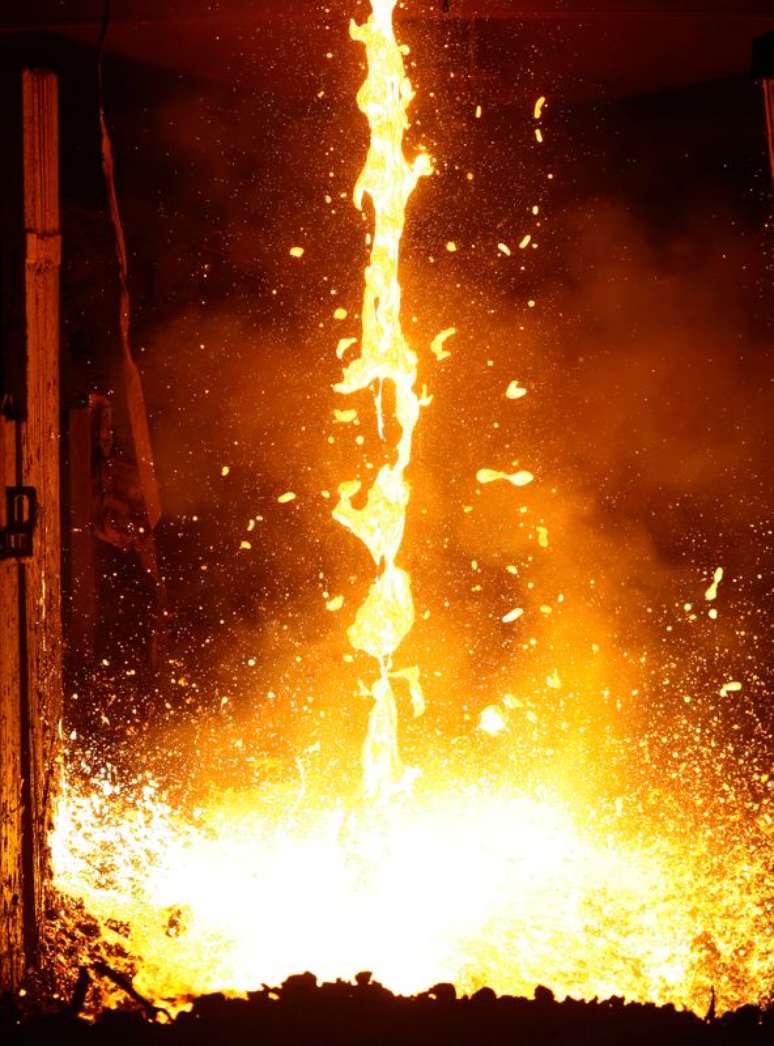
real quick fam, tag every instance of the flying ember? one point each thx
(521, 840)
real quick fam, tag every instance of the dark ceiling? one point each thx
(610, 46)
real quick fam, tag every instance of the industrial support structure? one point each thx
(30, 539)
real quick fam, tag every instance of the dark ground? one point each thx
(301, 1011)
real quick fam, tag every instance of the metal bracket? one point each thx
(21, 516)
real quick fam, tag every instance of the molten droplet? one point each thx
(712, 591)
(436, 346)
(730, 688)
(518, 479)
(491, 721)
(344, 344)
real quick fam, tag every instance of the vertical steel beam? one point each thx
(30, 585)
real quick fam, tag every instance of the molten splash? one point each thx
(388, 179)
(474, 887)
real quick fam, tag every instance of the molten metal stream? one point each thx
(387, 614)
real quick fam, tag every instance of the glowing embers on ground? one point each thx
(475, 887)
(388, 179)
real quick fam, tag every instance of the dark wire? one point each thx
(103, 32)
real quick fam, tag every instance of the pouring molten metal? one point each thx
(443, 877)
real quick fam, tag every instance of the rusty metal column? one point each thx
(30, 568)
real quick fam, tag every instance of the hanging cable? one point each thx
(137, 414)
(138, 417)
